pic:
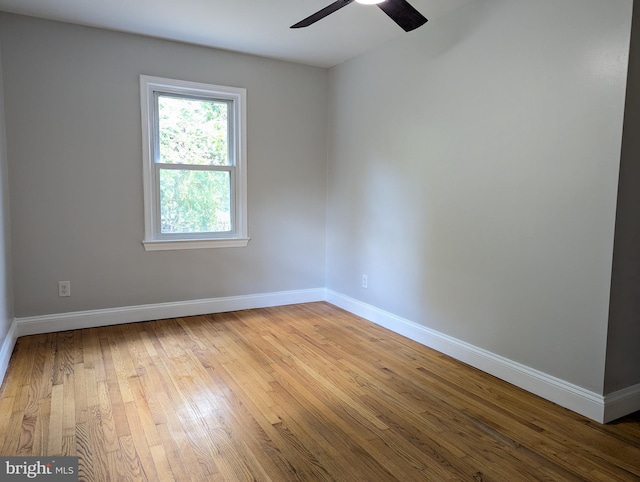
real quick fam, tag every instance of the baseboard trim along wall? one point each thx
(7, 349)
(621, 403)
(597, 407)
(577, 399)
(129, 314)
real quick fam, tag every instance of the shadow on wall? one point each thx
(438, 37)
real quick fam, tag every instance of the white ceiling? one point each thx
(258, 27)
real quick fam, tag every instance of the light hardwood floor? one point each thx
(304, 392)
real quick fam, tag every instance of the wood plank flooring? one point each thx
(296, 393)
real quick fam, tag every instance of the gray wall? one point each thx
(623, 343)
(75, 166)
(6, 297)
(473, 169)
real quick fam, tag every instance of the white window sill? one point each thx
(164, 245)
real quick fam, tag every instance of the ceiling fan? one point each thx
(400, 11)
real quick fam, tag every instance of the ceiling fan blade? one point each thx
(402, 13)
(319, 15)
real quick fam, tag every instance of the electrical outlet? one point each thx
(64, 288)
(365, 281)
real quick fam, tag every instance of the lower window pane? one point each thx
(193, 201)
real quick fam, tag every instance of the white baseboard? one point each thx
(565, 394)
(115, 316)
(7, 349)
(621, 403)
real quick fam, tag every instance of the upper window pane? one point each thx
(193, 131)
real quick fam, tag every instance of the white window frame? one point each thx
(153, 239)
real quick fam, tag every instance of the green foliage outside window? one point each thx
(194, 132)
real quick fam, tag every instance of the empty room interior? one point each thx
(424, 257)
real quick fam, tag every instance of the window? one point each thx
(194, 152)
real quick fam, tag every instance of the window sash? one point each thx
(158, 165)
(158, 234)
(231, 123)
